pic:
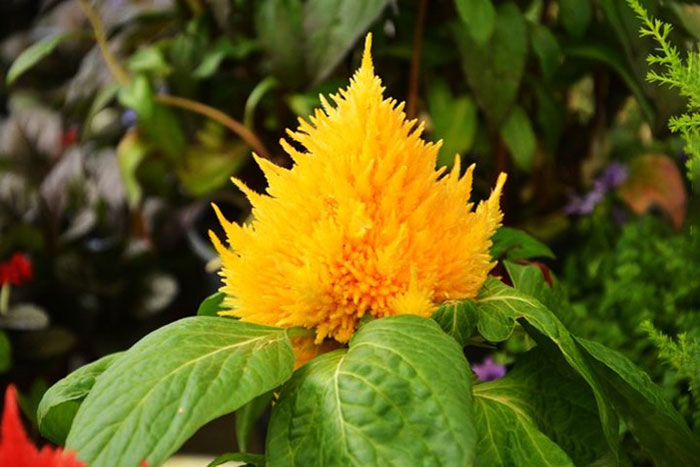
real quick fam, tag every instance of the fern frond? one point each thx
(673, 71)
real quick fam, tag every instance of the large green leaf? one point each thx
(508, 304)
(34, 53)
(495, 69)
(332, 27)
(60, 403)
(505, 412)
(173, 381)
(479, 16)
(401, 395)
(650, 417)
(509, 437)
(548, 402)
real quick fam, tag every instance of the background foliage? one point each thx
(122, 119)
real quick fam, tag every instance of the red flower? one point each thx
(17, 270)
(69, 137)
(16, 450)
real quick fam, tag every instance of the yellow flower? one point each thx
(362, 223)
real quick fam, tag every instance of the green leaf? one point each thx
(496, 298)
(158, 122)
(33, 54)
(458, 319)
(5, 353)
(495, 321)
(516, 244)
(509, 437)
(247, 416)
(550, 406)
(519, 138)
(400, 395)
(689, 17)
(454, 121)
(172, 382)
(332, 27)
(575, 15)
(651, 418)
(205, 169)
(547, 49)
(495, 69)
(479, 16)
(212, 305)
(530, 279)
(60, 403)
(257, 460)
(149, 60)
(222, 49)
(551, 115)
(279, 28)
(131, 151)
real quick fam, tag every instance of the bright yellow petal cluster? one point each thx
(362, 223)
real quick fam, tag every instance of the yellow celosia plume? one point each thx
(362, 223)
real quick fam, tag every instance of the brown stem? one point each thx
(217, 115)
(119, 73)
(417, 53)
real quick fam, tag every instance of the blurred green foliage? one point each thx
(632, 283)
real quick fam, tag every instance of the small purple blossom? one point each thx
(129, 118)
(489, 370)
(614, 175)
(584, 205)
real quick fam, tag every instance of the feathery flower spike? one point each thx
(362, 223)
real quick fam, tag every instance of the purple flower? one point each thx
(488, 370)
(614, 175)
(584, 205)
(129, 118)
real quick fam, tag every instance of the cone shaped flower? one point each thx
(361, 224)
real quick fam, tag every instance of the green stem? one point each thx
(4, 299)
(254, 98)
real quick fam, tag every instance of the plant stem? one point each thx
(4, 299)
(117, 70)
(217, 115)
(417, 53)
